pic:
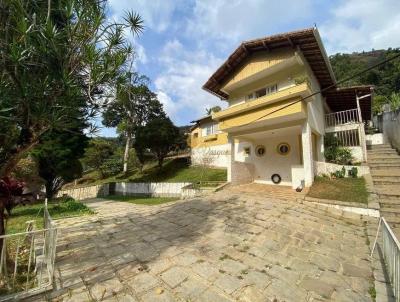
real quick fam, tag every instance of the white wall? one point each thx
(82, 193)
(375, 139)
(272, 162)
(321, 168)
(165, 189)
(219, 155)
(357, 153)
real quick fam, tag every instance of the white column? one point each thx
(307, 154)
(231, 141)
(321, 148)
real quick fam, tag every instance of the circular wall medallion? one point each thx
(283, 148)
(276, 178)
(260, 150)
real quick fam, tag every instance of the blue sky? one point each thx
(185, 41)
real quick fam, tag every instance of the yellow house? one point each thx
(273, 128)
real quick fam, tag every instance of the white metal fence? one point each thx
(391, 254)
(342, 118)
(348, 138)
(27, 260)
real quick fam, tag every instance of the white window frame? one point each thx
(210, 129)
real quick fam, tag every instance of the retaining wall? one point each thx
(162, 189)
(321, 168)
(86, 192)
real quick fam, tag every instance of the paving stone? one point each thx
(233, 267)
(355, 271)
(142, 282)
(77, 295)
(191, 289)
(158, 295)
(228, 283)
(251, 294)
(174, 276)
(279, 248)
(205, 270)
(323, 289)
(106, 289)
(211, 295)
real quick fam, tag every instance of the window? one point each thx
(210, 129)
(250, 96)
(260, 93)
(283, 148)
(272, 89)
(260, 150)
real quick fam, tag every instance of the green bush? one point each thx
(335, 153)
(111, 166)
(340, 173)
(353, 172)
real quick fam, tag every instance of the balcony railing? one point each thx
(342, 118)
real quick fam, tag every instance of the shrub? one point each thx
(335, 153)
(353, 172)
(111, 166)
(340, 173)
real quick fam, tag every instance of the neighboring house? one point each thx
(209, 145)
(268, 127)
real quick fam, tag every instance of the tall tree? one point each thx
(59, 61)
(134, 106)
(96, 154)
(58, 156)
(160, 136)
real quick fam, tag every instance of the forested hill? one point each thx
(386, 78)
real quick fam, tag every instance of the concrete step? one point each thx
(383, 153)
(374, 160)
(382, 156)
(386, 181)
(384, 166)
(385, 173)
(382, 146)
(390, 208)
(391, 216)
(387, 191)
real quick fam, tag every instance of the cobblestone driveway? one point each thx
(223, 247)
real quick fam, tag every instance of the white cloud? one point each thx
(357, 25)
(179, 83)
(235, 20)
(157, 14)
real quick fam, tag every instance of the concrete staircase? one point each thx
(384, 162)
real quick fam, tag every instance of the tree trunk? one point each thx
(126, 154)
(14, 159)
(160, 161)
(2, 227)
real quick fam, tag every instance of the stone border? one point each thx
(360, 208)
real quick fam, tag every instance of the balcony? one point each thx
(288, 93)
(342, 120)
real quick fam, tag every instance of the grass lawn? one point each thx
(343, 189)
(142, 200)
(173, 170)
(57, 209)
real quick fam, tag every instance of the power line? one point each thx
(328, 87)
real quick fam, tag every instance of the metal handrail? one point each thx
(391, 255)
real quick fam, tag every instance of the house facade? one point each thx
(273, 128)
